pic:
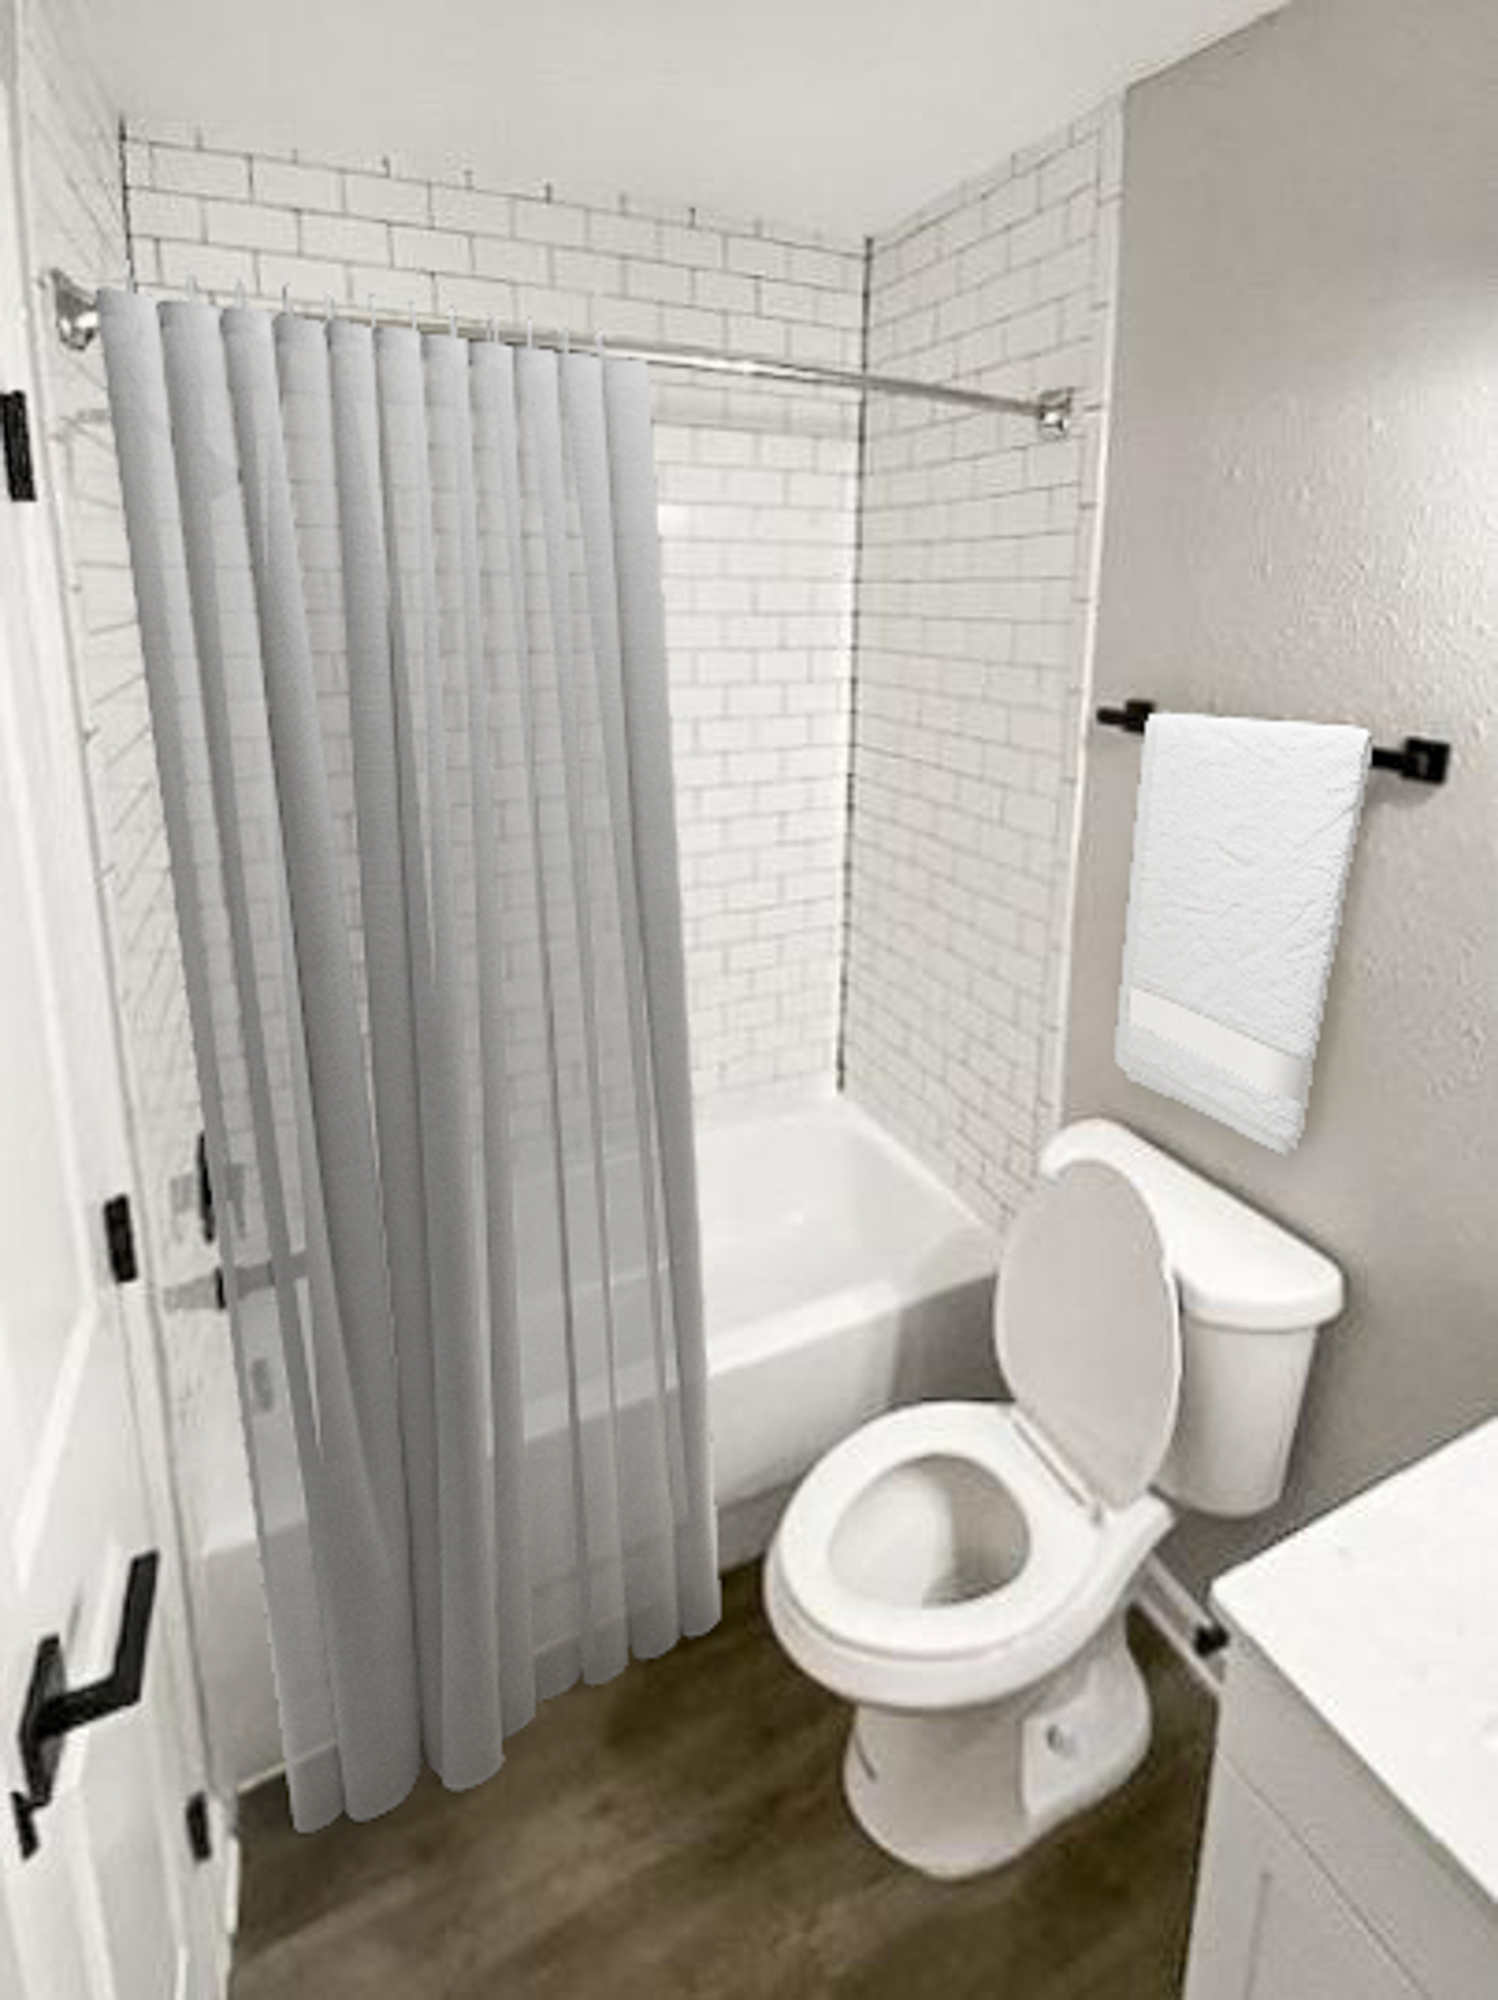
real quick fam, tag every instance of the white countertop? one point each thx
(1384, 1617)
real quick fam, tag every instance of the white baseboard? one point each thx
(1179, 1617)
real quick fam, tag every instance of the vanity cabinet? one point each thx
(1270, 1922)
(1351, 1849)
(1314, 1882)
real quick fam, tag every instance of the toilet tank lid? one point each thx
(1233, 1266)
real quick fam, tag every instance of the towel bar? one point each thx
(1423, 760)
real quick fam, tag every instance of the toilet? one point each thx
(961, 1571)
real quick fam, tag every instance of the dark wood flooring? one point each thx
(681, 1835)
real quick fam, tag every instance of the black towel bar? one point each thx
(1423, 760)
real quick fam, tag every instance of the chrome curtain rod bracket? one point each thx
(1420, 760)
(75, 312)
(1053, 410)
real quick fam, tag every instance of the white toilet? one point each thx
(961, 1571)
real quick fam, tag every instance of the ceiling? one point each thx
(841, 114)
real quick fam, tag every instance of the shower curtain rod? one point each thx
(77, 318)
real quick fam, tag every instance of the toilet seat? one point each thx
(1080, 1561)
(1062, 1535)
(1053, 1489)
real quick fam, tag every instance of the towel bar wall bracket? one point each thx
(1422, 760)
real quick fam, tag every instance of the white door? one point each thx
(99, 1892)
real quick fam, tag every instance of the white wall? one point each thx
(1303, 521)
(758, 492)
(974, 616)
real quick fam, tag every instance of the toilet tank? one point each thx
(1253, 1297)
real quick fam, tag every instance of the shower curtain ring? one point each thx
(327, 309)
(286, 298)
(192, 286)
(239, 294)
(493, 327)
(371, 304)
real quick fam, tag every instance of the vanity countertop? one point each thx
(1384, 1617)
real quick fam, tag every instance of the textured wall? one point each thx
(974, 611)
(1303, 521)
(757, 488)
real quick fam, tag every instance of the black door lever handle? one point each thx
(53, 1710)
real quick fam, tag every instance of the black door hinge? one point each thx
(119, 1237)
(199, 1829)
(207, 1214)
(15, 425)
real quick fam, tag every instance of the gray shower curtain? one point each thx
(401, 607)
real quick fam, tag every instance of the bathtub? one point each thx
(840, 1278)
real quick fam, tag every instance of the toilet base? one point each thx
(960, 1791)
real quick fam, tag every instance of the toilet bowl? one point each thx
(961, 1571)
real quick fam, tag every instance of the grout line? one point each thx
(121, 140)
(1099, 399)
(860, 484)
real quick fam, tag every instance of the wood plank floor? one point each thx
(681, 1835)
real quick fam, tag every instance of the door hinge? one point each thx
(199, 1827)
(119, 1236)
(15, 426)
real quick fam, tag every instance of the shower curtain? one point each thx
(401, 607)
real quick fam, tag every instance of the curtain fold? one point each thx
(401, 607)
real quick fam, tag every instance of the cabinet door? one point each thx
(1269, 1924)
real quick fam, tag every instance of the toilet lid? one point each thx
(1088, 1329)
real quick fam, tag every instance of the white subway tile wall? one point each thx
(974, 617)
(74, 218)
(758, 494)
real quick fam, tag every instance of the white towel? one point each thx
(1242, 843)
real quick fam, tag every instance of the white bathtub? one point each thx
(840, 1277)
